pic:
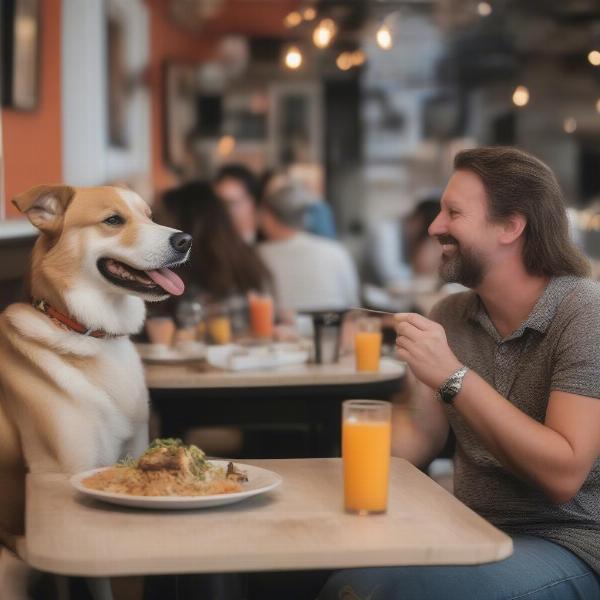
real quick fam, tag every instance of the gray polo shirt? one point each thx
(556, 348)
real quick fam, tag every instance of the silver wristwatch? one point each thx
(452, 385)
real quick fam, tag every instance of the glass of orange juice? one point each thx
(367, 344)
(366, 449)
(261, 314)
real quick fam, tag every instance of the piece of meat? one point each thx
(234, 475)
(164, 458)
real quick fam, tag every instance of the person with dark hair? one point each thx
(512, 367)
(220, 264)
(239, 189)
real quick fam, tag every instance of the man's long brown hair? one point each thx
(517, 182)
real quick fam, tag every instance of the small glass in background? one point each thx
(366, 450)
(367, 344)
(188, 313)
(160, 330)
(262, 314)
(218, 323)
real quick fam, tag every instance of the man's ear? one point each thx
(45, 205)
(513, 227)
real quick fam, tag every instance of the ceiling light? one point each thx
(324, 33)
(570, 125)
(309, 13)
(384, 38)
(293, 19)
(293, 58)
(358, 58)
(484, 9)
(520, 96)
(344, 61)
(226, 145)
(594, 58)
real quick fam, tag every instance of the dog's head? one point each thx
(104, 238)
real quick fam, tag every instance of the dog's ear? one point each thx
(45, 205)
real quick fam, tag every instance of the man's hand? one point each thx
(422, 344)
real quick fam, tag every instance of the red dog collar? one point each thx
(67, 322)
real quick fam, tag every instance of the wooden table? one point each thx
(300, 525)
(195, 394)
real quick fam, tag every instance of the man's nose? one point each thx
(437, 226)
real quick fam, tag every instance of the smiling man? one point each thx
(513, 368)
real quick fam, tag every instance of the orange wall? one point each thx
(32, 139)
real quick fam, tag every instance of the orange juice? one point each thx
(160, 330)
(367, 346)
(261, 315)
(366, 448)
(219, 329)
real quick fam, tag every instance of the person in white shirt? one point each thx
(310, 272)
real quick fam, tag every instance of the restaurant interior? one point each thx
(348, 111)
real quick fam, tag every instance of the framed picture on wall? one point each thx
(20, 38)
(181, 95)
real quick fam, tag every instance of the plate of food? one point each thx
(175, 476)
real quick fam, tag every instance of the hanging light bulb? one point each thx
(293, 19)
(384, 37)
(293, 58)
(324, 32)
(309, 13)
(484, 9)
(594, 58)
(570, 125)
(344, 61)
(358, 58)
(520, 96)
(226, 145)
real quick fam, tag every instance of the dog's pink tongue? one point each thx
(169, 281)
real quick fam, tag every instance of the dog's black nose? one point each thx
(182, 242)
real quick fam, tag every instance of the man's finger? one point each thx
(419, 321)
(408, 330)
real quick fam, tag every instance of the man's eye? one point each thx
(114, 220)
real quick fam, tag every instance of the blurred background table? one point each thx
(307, 397)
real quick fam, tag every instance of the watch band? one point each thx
(452, 385)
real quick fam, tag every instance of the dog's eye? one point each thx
(114, 220)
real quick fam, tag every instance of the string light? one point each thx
(570, 125)
(384, 37)
(484, 9)
(358, 58)
(520, 96)
(226, 145)
(293, 19)
(594, 58)
(309, 13)
(344, 61)
(324, 33)
(293, 58)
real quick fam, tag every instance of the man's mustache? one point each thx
(447, 239)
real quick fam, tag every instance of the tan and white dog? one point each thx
(72, 391)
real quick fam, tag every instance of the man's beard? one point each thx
(462, 267)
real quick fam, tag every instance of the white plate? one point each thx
(183, 352)
(234, 357)
(259, 482)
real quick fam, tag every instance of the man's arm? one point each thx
(420, 428)
(555, 456)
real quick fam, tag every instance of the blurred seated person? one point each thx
(317, 214)
(221, 265)
(310, 272)
(238, 188)
(403, 255)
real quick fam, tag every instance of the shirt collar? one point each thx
(541, 315)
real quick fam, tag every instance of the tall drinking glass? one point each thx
(366, 449)
(261, 314)
(367, 344)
